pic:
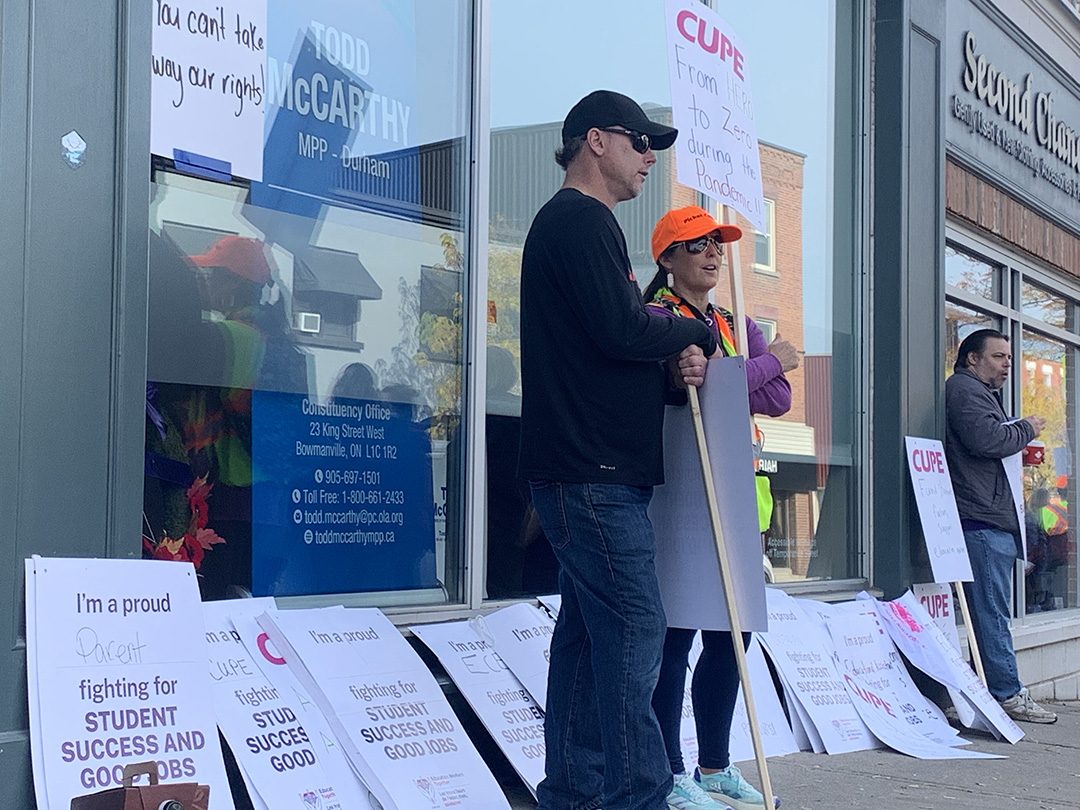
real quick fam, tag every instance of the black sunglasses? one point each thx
(701, 244)
(639, 141)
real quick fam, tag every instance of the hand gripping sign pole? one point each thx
(718, 535)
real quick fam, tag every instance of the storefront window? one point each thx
(1043, 305)
(811, 453)
(1050, 584)
(1041, 384)
(970, 274)
(961, 321)
(308, 306)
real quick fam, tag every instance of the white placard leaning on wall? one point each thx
(712, 107)
(871, 676)
(803, 655)
(938, 515)
(686, 564)
(937, 599)
(332, 754)
(120, 677)
(521, 635)
(925, 646)
(278, 754)
(503, 705)
(404, 738)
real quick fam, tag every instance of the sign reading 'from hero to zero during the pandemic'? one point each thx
(713, 108)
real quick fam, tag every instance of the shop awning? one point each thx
(318, 269)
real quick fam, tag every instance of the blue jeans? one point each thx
(993, 560)
(714, 691)
(604, 747)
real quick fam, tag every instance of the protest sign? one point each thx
(334, 760)
(277, 754)
(879, 655)
(775, 731)
(37, 759)
(937, 598)
(208, 85)
(938, 515)
(521, 635)
(686, 565)
(1014, 472)
(403, 737)
(503, 705)
(803, 655)
(926, 647)
(889, 704)
(712, 106)
(551, 604)
(126, 677)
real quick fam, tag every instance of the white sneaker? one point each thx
(686, 794)
(1021, 707)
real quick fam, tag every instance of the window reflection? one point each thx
(970, 274)
(1049, 518)
(807, 296)
(961, 321)
(1043, 305)
(306, 341)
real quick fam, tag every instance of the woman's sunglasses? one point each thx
(639, 141)
(701, 244)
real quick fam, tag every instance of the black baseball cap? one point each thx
(606, 108)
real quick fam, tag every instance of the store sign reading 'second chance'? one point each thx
(1018, 119)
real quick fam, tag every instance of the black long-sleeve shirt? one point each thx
(592, 382)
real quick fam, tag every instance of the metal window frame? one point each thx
(1015, 270)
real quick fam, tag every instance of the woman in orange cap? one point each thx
(686, 244)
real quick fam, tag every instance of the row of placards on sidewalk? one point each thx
(332, 708)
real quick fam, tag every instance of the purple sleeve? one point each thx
(770, 392)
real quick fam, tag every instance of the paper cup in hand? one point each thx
(1034, 454)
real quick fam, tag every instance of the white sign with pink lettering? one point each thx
(713, 108)
(937, 510)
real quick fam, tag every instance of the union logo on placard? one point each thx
(425, 786)
(311, 800)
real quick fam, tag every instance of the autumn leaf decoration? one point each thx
(198, 539)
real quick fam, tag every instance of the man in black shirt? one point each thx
(594, 388)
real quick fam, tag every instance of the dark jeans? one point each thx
(604, 746)
(993, 560)
(714, 690)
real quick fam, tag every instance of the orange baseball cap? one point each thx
(241, 255)
(690, 222)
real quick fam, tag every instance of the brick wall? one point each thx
(987, 208)
(773, 296)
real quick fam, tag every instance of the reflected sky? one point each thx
(546, 55)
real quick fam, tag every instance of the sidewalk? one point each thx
(1042, 772)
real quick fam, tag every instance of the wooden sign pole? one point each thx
(718, 531)
(973, 644)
